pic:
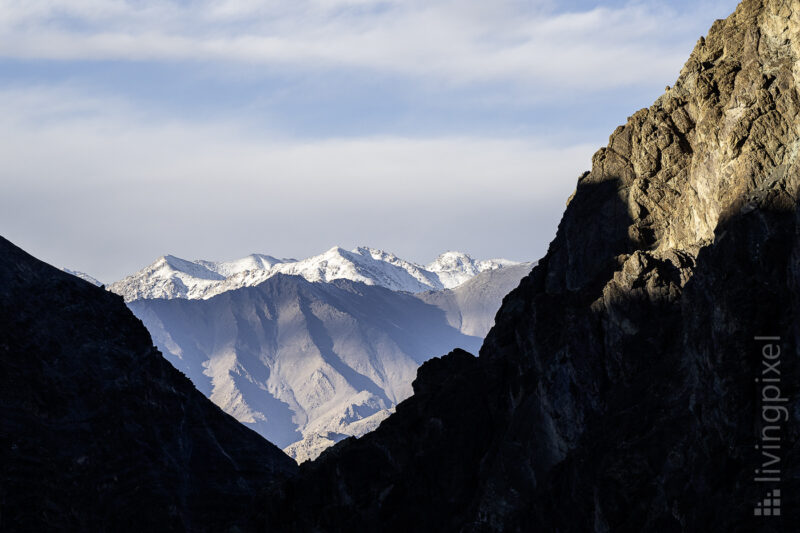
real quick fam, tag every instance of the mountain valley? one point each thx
(309, 358)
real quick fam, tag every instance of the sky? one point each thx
(212, 129)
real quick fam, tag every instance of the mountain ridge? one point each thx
(173, 277)
(84, 276)
(97, 431)
(306, 364)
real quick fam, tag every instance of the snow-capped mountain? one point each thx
(172, 277)
(307, 364)
(245, 264)
(304, 364)
(455, 268)
(471, 306)
(84, 276)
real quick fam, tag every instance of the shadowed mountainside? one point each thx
(97, 431)
(617, 390)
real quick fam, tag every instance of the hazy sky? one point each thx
(213, 129)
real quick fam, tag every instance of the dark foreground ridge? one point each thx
(97, 431)
(618, 390)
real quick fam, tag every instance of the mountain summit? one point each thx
(172, 277)
(308, 364)
(308, 352)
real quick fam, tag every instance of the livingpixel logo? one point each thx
(769, 506)
(772, 414)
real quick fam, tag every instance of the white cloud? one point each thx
(101, 184)
(98, 187)
(441, 40)
(62, 138)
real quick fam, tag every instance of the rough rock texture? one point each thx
(97, 431)
(617, 391)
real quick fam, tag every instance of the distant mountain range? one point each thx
(83, 276)
(643, 377)
(173, 277)
(309, 352)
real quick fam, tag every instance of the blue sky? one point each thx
(218, 128)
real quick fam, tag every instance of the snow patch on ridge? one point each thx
(84, 276)
(172, 277)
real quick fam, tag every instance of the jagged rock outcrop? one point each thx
(617, 390)
(97, 431)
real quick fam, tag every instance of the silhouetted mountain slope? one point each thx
(617, 391)
(97, 431)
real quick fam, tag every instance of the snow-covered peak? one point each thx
(168, 277)
(494, 264)
(450, 261)
(455, 268)
(194, 269)
(84, 276)
(245, 264)
(366, 265)
(172, 277)
(376, 254)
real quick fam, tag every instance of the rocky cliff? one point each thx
(97, 431)
(618, 390)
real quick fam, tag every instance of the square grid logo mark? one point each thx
(769, 506)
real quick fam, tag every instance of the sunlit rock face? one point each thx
(617, 390)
